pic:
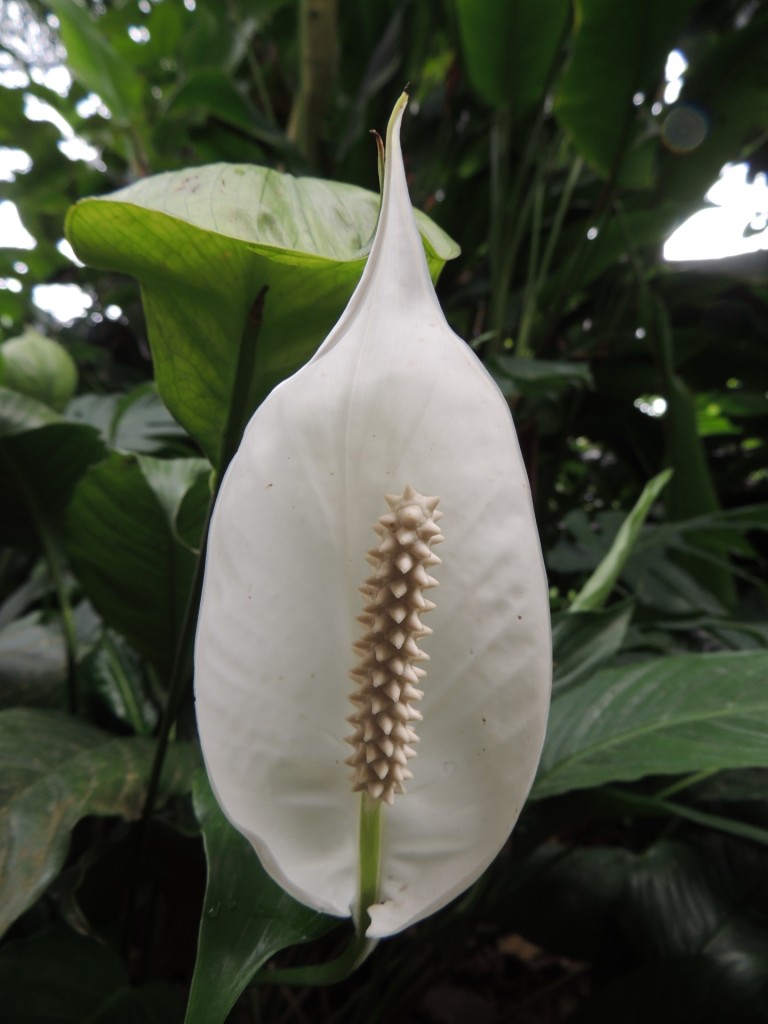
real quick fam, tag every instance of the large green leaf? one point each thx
(247, 916)
(55, 770)
(694, 712)
(510, 47)
(124, 538)
(618, 51)
(203, 243)
(59, 977)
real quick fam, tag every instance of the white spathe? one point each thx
(392, 398)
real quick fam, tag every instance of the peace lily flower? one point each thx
(392, 426)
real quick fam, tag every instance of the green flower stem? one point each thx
(370, 859)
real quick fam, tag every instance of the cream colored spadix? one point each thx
(387, 672)
(392, 404)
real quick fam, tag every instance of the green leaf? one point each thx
(210, 91)
(33, 663)
(582, 642)
(247, 917)
(41, 459)
(509, 48)
(39, 368)
(135, 422)
(19, 413)
(618, 51)
(694, 918)
(532, 377)
(96, 64)
(684, 900)
(598, 587)
(123, 540)
(55, 770)
(59, 977)
(690, 713)
(203, 243)
(115, 675)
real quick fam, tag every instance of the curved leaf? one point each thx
(509, 48)
(618, 51)
(122, 535)
(246, 919)
(41, 459)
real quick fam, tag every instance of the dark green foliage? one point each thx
(633, 888)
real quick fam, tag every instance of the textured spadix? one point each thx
(393, 398)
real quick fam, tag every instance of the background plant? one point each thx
(634, 887)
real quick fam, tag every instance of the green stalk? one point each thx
(530, 292)
(370, 859)
(318, 45)
(557, 224)
(499, 145)
(508, 215)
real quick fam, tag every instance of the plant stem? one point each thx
(318, 44)
(370, 859)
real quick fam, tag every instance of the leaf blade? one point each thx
(56, 770)
(661, 716)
